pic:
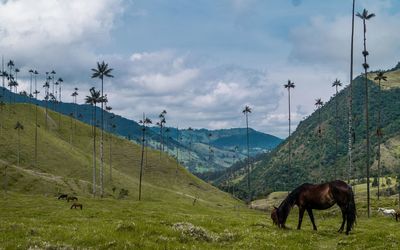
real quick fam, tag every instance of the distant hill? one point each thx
(220, 150)
(196, 158)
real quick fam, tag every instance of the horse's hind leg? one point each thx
(310, 213)
(301, 213)
(344, 220)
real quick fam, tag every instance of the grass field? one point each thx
(178, 211)
(43, 222)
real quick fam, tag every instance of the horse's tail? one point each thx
(351, 212)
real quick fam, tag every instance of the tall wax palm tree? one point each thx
(93, 99)
(102, 71)
(144, 123)
(288, 86)
(36, 92)
(318, 105)
(350, 99)
(246, 111)
(365, 16)
(336, 84)
(380, 76)
(19, 127)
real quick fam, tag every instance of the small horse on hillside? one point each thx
(321, 196)
(77, 205)
(72, 198)
(63, 197)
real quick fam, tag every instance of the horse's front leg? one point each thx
(310, 213)
(301, 213)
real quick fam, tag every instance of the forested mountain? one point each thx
(314, 157)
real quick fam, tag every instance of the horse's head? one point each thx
(277, 217)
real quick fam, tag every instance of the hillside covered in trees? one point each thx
(314, 157)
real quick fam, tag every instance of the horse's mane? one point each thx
(288, 203)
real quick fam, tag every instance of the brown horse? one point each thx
(72, 198)
(323, 196)
(77, 205)
(63, 196)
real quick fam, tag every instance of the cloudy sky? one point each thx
(202, 60)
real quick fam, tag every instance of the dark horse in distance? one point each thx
(322, 196)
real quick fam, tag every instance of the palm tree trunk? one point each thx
(379, 137)
(366, 121)
(36, 133)
(5, 179)
(141, 160)
(45, 119)
(146, 149)
(248, 158)
(320, 143)
(102, 144)
(177, 152)
(94, 150)
(337, 132)
(19, 143)
(70, 131)
(290, 146)
(110, 157)
(350, 114)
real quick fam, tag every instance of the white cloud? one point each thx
(41, 23)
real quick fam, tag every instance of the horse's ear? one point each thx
(275, 207)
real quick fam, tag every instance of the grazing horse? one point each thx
(77, 205)
(72, 198)
(321, 196)
(63, 196)
(387, 212)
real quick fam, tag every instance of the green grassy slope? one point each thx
(67, 167)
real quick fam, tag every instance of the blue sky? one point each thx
(203, 60)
